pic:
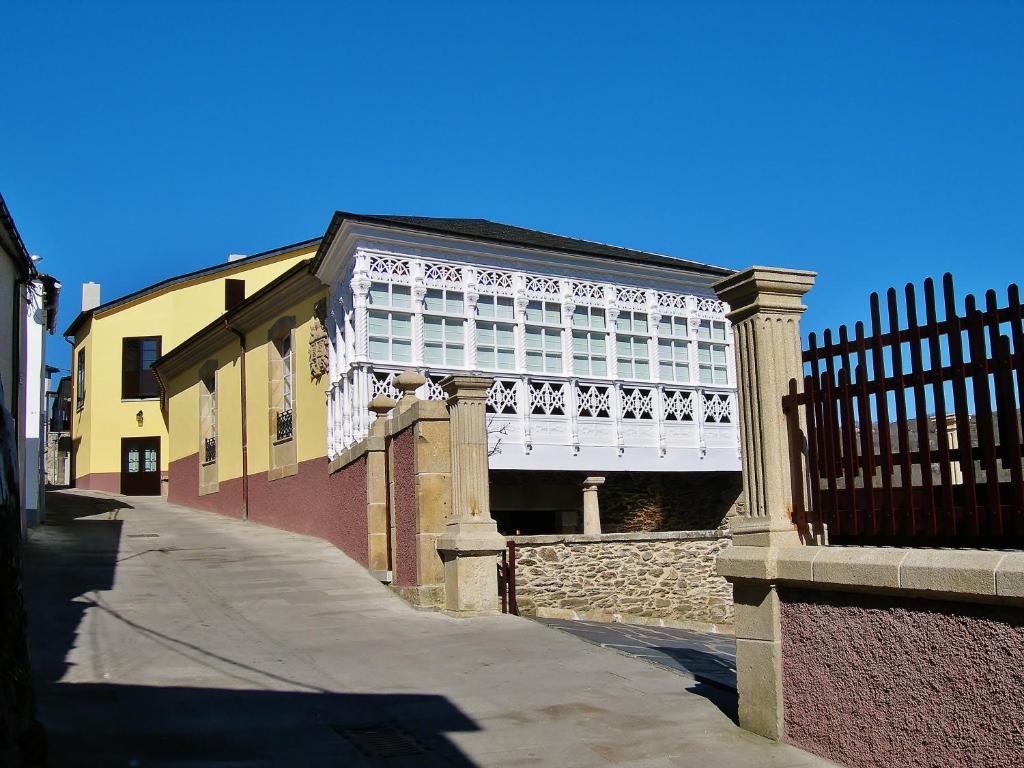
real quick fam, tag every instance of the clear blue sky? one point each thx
(873, 142)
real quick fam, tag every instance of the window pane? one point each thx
(706, 377)
(454, 356)
(506, 335)
(719, 355)
(506, 359)
(378, 294)
(485, 357)
(433, 301)
(453, 330)
(552, 313)
(432, 328)
(643, 370)
(505, 310)
(580, 318)
(485, 334)
(534, 312)
(401, 296)
(401, 351)
(640, 323)
(552, 341)
(599, 367)
(401, 326)
(534, 361)
(432, 353)
(150, 460)
(485, 307)
(718, 331)
(666, 371)
(721, 376)
(377, 322)
(455, 305)
(133, 460)
(579, 342)
(704, 353)
(378, 349)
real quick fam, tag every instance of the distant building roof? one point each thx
(205, 272)
(13, 246)
(495, 232)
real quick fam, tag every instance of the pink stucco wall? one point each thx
(406, 519)
(879, 681)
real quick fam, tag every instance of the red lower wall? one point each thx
(100, 481)
(403, 478)
(314, 502)
(876, 681)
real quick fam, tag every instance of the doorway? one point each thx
(140, 466)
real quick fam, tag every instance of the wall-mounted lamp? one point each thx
(138, 418)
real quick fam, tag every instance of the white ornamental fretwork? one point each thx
(677, 405)
(501, 397)
(587, 293)
(631, 297)
(637, 403)
(493, 281)
(434, 391)
(383, 383)
(396, 270)
(717, 408)
(542, 286)
(593, 400)
(442, 275)
(672, 301)
(547, 399)
(711, 306)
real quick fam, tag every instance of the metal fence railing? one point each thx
(911, 433)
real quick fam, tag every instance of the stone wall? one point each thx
(666, 579)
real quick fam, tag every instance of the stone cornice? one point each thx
(764, 289)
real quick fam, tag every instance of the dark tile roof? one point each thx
(492, 231)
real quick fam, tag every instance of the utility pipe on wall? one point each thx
(245, 419)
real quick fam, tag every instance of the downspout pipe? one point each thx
(245, 422)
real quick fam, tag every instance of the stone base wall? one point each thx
(666, 579)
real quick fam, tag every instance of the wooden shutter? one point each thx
(234, 293)
(130, 359)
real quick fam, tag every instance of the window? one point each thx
(281, 399)
(494, 307)
(589, 342)
(544, 337)
(208, 412)
(80, 381)
(444, 327)
(631, 349)
(711, 358)
(234, 293)
(137, 357)
(496, 346)
(390, 331)
(673, 350)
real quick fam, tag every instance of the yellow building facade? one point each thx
(119, 435)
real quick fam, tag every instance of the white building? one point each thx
(605, 359)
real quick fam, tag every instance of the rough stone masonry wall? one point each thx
(666, 579)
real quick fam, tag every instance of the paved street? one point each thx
(169, 637)
(707, 657)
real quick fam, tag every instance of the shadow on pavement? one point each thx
(73, 560)
(75, 555)
(99, 724)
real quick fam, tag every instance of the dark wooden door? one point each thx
(140, 466)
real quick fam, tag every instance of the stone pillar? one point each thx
(956, 472)
(765, 308)
(471, 541)
(407, 382)
(591, 505)
(377, 490)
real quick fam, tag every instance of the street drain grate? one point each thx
(383, 740)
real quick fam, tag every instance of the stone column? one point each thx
(377, 490)
(591, 505)
(471, 541)
(766, 304)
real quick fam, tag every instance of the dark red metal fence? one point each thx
(507, 579)
(911, 433)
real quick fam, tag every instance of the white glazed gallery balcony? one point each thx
(587, 376)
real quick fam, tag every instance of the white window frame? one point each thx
(638, 341)
(550, 334)
(708, 340)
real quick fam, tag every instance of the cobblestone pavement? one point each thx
(163, 636)
(707, 656)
